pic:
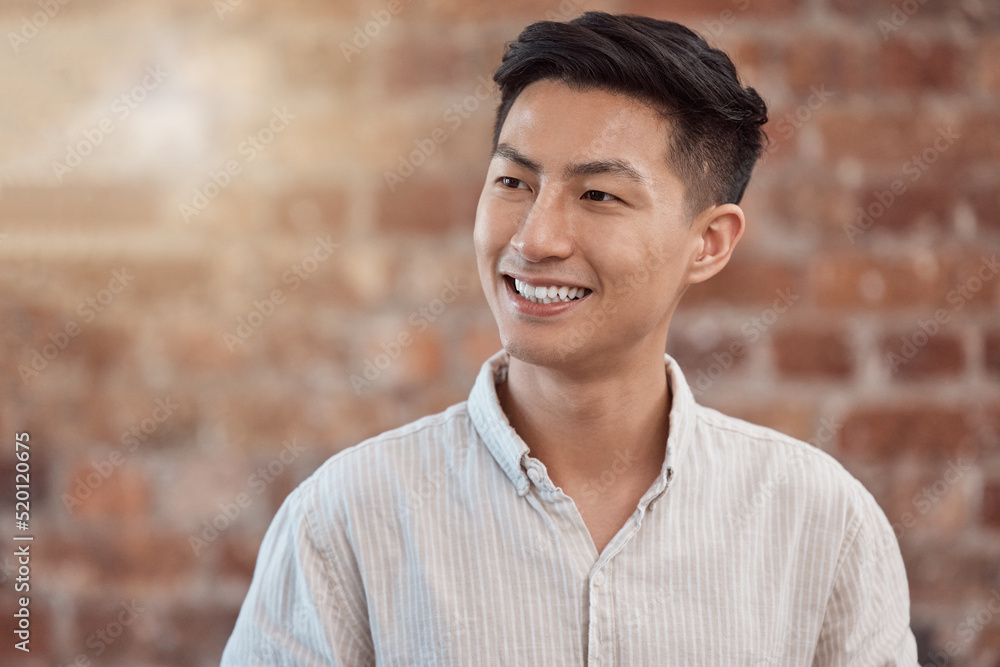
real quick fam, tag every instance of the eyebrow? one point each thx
(614, 167)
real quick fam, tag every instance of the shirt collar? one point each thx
(509, 449)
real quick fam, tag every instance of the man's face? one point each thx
(579, 195)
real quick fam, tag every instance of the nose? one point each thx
(545, 231)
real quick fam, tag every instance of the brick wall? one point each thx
(226, 229)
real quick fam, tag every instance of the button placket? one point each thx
(599, 634)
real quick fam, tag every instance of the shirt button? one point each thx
(533, 475)
(598, 579)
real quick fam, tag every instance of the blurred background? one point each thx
(235, 238)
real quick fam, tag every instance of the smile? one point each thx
(549, 293)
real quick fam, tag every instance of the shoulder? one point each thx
(801, 478)
(372, 474)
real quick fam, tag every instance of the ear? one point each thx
(720, 229)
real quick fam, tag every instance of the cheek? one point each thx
(651, 275)
(482, 236)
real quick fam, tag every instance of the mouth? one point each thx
(546, 294)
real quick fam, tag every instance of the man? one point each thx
(580, 508)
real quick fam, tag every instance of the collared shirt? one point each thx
(445, 542)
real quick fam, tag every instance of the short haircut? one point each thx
(716, 122)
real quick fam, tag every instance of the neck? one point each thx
(583, 427)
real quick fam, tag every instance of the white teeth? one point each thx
(548, 294)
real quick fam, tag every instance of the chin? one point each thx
(546, 354)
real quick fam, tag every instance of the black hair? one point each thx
(716, 123)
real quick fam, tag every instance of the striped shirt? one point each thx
(444, 542)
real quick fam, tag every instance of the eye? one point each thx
(597, 195)
(511, 182)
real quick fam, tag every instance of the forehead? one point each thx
(551, 122)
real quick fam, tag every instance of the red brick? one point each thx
(892, 137)
(259, 416)
(749, 55)
(702, 361)
(909, 64)
(987, 70)
(928, 500)
(296, 343)
(748, 282)
(523, 11)
(422, 205)
(298, 51)
(794, 418)
(940, 355)
(980, 137)
(809, 200)
(120, 206)
(883, 9)
(99, 348)
(926, 205)
(991, 358)
(106, 491)
(166, 281)
(712, 9)
(988, 640)
(868, 281)
(480, 341)
(193, 633)
(991, 503)
(238, 555)
(985, 203)
(194, 349)
(308, 212)
(101, 622)
(943, 572)
(890, 433)
(812, 353)
(441, 63)
(839, 66)
(782, 131)
(972, 281)
(119, 553)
